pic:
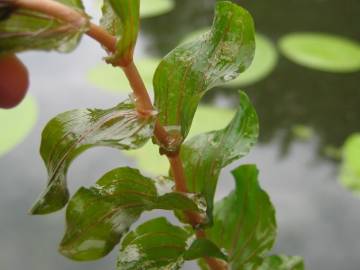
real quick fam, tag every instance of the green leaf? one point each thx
(350, 167)
(279, 262)
(265, 60)
(152, 8)
(98, 216)
(322, 51)
(156, 244)
(191, 69)
(71, 133)
(148, 158)
(121, 18)
(23, 29)
(263, 64)
(206, 154)
(203, 248)
(17, 123)
(244, 221)
(113, 79)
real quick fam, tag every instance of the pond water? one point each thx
(303, 113)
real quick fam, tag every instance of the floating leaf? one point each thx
(244, 221)
(73, 132)
(322, 51)
(152, 8)
(187, 72)
(148, 158)
(206, 154)
(17, 123)
(25, 30)
(121, 18)
(97, 217)
(350, 168)
(113, 79)
(264, 62)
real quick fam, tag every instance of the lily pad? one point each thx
(263, 64)
(148, 157)
(322, 51)
(350, 167)
(112, 79)
(16, 124)
(152, 8)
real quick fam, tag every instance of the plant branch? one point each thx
(143, 102)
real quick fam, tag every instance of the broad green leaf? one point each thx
(148, 158)
(121, 18)
(17, 123)
(152, 8)
(156, 244)
(28, 30)
(350, 167)
(206, 154)
(98, 216)
(322, 51)
(203, 248)
(263, 64)
(71, 133)
(191, 69)
(113, 79)
(244, 221)
(278, 262)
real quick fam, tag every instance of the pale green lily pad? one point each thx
(322, 51)
(350, 167)
(207, 118)
(16, 124)
(152, 8)
(264, 62)
(112, 79)
(303, 132)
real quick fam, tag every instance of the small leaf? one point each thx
(97, 217)
(350, 167)
(71, 133)
(152, 8)
(113, 79)
(121, 18)
(22, 29)
(206, 154)
(279, 262)
(244, 221)
(322, 51)
(187, 72)
(203, 248)
(17, 123)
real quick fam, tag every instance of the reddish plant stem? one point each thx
(143, 101)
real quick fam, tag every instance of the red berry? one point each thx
(14, 81)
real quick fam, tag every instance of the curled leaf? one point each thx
(191, 69)
(98, 216)
(71, 133)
